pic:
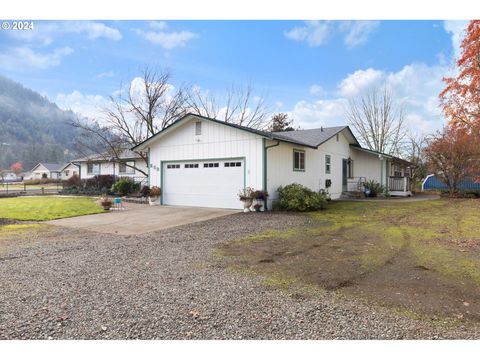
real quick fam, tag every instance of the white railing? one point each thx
(399, 183)
(356, 183)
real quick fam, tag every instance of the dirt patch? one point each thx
(393, 256)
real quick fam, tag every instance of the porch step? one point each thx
(352, 195)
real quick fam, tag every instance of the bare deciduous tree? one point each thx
(132, 115)
(377, 120)
(240, 107)
(413, 151)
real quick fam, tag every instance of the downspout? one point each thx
(265, 148)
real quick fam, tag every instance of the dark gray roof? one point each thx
(52, 166)
(310, 137)
(124, 154)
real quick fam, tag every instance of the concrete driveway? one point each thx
(140, 219)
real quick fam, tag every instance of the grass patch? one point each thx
(39, 208)
(421, 257)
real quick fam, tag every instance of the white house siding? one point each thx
(280, 166)
(40, 170)
(110, 168)
(216, 142)
(69, 171)
(369, 166)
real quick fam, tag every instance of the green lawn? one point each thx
(420, 258)
(39, 208)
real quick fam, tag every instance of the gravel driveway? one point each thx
(76, 284)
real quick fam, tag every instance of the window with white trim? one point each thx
(298, 160)
(328, 164)
(126, 167)
(191, 166)
(173, 166)
(93, 168)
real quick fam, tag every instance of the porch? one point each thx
(399, 186)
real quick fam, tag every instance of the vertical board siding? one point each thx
(216, 142)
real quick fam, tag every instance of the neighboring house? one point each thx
(10, 177)
(47, 170)
(433, 182)
(69, 170)
(199, 161)
(102, 165)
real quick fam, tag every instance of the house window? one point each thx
(397, 171)
(198, 128)
(191, 166)
(124, 169)
(93, 168)
(233, 164)
(173, 166)
(298, 160)
(338, 138)
(210, 165)
(328, 164)
(67, 172)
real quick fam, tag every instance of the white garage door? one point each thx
(212, 183)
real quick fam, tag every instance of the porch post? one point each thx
(404, 184)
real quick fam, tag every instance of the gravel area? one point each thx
(170, 285)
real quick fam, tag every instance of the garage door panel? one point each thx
(196, 184)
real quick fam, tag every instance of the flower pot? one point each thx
(247, 204)
(106, 207)
(154, 201)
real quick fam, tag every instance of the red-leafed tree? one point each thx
(460, 100)
(452, 155)
(16, 167)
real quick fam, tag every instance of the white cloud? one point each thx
(357, 32)
(45, 33)
(25, 58)
(89, 106)
(317, 90)
(316, 33)
(106, 74)
(358, 81)
(416, 86)
(457, 30)
(166, 39)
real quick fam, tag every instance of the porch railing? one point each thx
(399, 183)
(356, 183)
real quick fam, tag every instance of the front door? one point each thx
(344, 174)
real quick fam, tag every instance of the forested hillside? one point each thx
(32, 129)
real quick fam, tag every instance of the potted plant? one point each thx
(245, 196)
(106, 203)
(154, 195)
(260, 197)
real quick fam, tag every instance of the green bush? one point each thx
(125, 186)
(374, 187)
(296, 197)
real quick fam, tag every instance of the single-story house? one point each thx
(99, 164)
(54, 171)
(47, 170)
(10, 177)
(69, 170)
(199, 161)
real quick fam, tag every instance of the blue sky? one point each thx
(308, 69)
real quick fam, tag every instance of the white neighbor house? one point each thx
(54, 171)
(198, 161)
(101, 165)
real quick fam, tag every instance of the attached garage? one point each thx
(204, 183)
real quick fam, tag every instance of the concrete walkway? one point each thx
(140, 219)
